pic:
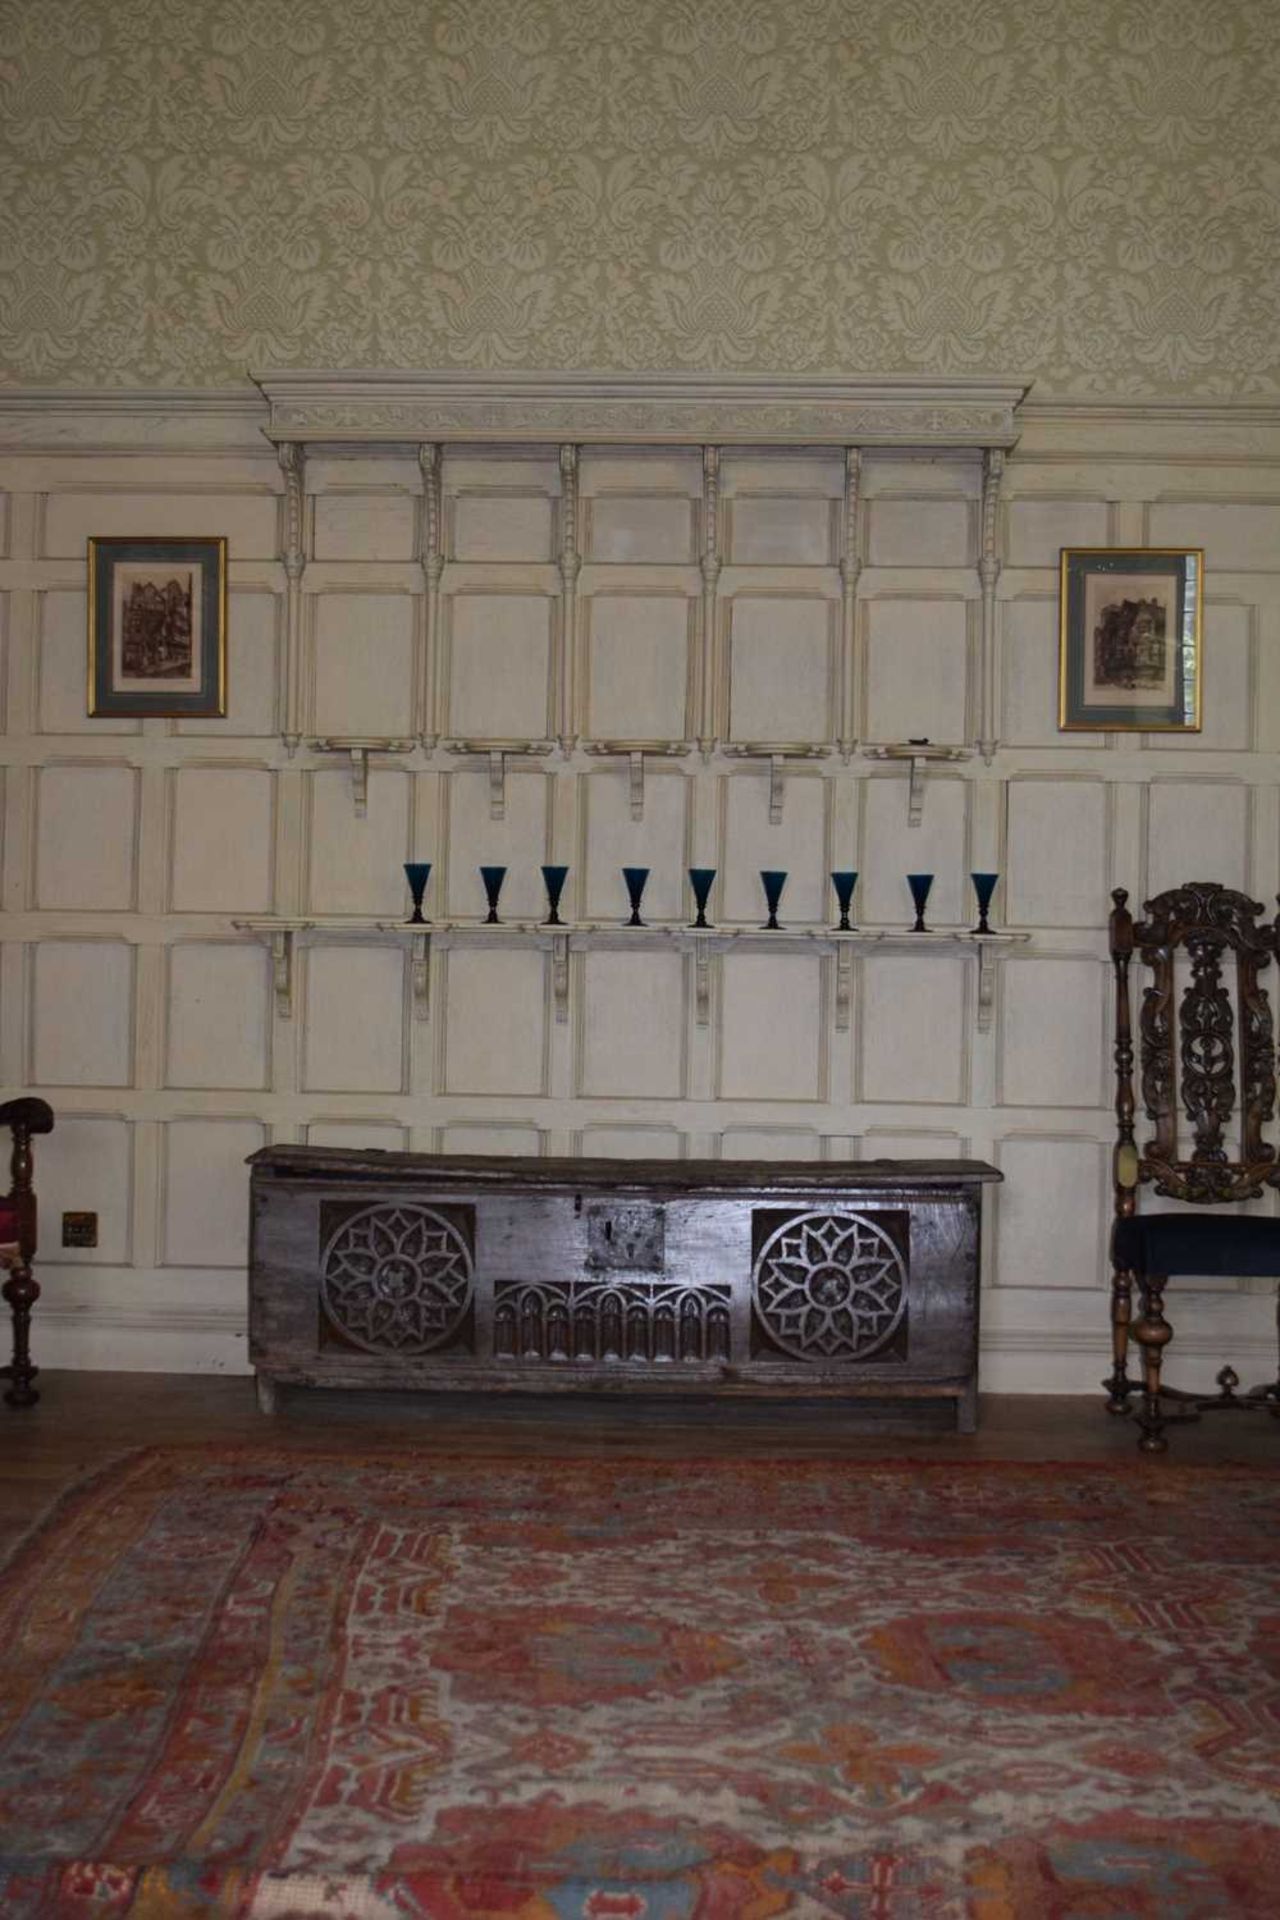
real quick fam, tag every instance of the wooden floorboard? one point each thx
(85, 1419)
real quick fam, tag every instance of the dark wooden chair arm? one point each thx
(35, 1115)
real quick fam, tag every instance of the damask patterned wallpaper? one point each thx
(1083, 191)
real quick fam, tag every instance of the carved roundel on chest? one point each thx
(831, 1286)
(396, 1278)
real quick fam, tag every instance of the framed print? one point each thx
(158, 628)
(1129, 639)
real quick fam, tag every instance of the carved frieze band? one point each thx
(642, 409)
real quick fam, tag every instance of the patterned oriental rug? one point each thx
(259, 1685)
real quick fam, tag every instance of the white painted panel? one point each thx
(85, 1166)
(632, 1143)
(206, 1191)
(1029, 676)
(219, 1022)
(82, 1013)
(780, 530)
(1234, 534)
(770, 1143)
(780, 666)
(223, 827)
(912, 1027)
(1051, 1214)
(517, 842)
(901, 1143)
(502, 526)
(795, 847)
(497, 1017)
(633, 1025)
(253, 641)
(919, 533)
(789, 470)
(359, 1136)
(380, 470)
(771, 1038)
(886, 474)
(63, 698)
(1225, 693)
(892, 848)
(364, 665)
(357, 865)
(1039, 529)
(638, 662)
(641, 527)
(614, 840)
(247, 521)
(916, 666)
(356, 1055)
(1052, 1032)
(499, 665)
(1196, 830)
(85, 837)
(479, 1137)
(1057, 854)
(365, 526)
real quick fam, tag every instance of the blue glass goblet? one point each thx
(553, 878)
(919, 884)
(493, 878)
(635, 878)
(700, 879)
(844, 884)
(984, 885)
(417, 873)
(773, 882)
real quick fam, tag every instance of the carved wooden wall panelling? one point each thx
(172, 1044)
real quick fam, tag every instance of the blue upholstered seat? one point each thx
(1169, 1243)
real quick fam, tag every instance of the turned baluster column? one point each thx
(21, 1289)
(1124, 1160)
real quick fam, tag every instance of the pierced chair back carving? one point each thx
(1207, 1073)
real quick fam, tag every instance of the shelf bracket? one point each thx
(844, 984)
(986, 988)
(560, 976)
(918, 753)
(358, 751)
(777, 753)
(702, 981)
(279, 942)
(497, 753)
(636, 763)
(634, 752)
(420, 976)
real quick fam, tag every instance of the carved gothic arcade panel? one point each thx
(628, 1319)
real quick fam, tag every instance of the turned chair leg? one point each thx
(1118, 1384)
(1153, 1334)
(22, 1291)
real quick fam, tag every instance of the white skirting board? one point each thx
(171, 1341)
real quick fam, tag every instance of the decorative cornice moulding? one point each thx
(641, 409)
(130, 420)
(407, 409)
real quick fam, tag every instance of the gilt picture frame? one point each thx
(158, 628)
(1129, 639)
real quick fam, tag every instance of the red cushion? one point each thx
(8, 1224)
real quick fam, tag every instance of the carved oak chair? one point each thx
(18, 1243)
(1188, 1060)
